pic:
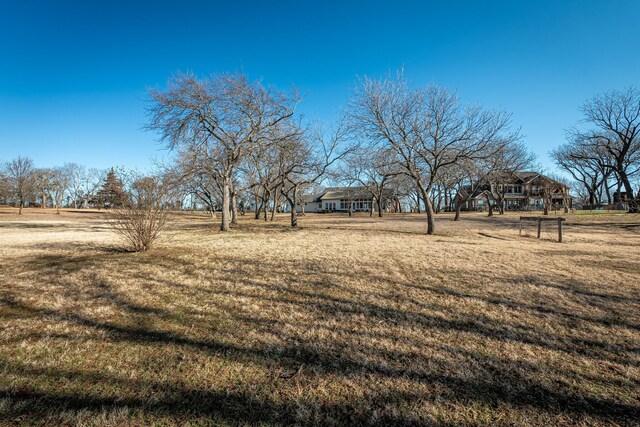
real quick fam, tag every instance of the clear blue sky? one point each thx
(73, 75)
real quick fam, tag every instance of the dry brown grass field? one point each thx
(345, 321)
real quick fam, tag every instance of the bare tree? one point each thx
(350, 188)
(615, 130)
(57, 186)
(225, 115)
(557, 185)
(20, 174)
(470, 178)
(426, 129)
(262, 169)
(512, 157)
(194, 170)
(5, 188)
(40, 180)
(306, 158)
(75, 174)
(373, 169)
(587, 165)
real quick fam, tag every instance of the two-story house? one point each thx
(523, 191)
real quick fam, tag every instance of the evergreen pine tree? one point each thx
(112, 194)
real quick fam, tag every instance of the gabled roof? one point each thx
(468, 189)
(311, 198)
(526, 177)
(349, 193)
(475, 193)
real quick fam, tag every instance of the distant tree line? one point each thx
(75, 186)
(240, 145)
(71, 185)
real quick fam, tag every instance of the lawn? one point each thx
(345, 321)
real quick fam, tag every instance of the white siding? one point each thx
(309, 207)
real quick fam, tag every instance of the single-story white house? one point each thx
(338, 199)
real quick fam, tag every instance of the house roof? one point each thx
(311, 198)
(345, 193)
(341, 193)
(527, 177)
(475, 193)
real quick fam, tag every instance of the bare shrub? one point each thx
(141, 221)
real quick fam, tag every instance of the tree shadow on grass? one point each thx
(182, 403)
(502, 387)
(494, 386)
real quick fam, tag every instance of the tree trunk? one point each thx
(273, 211)
(379, 203)
(633, 206)
(292, 202)
(266, 207)
(458, 209)
(607, 190)
(294, 215)
(431, 224)
(627, 185)
(226, 196)
(234, 209)
(20, 204)
(489, 207)
(258, 208)
(499, 205)
(350, 208)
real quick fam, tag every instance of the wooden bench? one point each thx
(539, 220)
